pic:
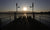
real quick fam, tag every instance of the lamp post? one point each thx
(33, 11)
(15, 12)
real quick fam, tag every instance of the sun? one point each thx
(24, 9)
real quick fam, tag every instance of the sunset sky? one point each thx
(10, 5)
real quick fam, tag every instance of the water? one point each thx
(43, 18)
(6, 18)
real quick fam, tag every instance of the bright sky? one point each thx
(10, 5)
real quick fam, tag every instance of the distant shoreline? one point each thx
(25, 12)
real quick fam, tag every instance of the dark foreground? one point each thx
(25, 24)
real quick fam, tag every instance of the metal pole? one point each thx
(15, 13)
(33, 11)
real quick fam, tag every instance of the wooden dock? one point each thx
(25, 24)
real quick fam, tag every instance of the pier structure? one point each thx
(16, 12)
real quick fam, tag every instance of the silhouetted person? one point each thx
(25, 19)
(30, 20)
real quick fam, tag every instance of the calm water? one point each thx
(43, 18)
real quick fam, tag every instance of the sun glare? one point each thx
(24, 9)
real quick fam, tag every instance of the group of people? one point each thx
(24, 20)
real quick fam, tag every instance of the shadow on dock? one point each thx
(24, 24)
